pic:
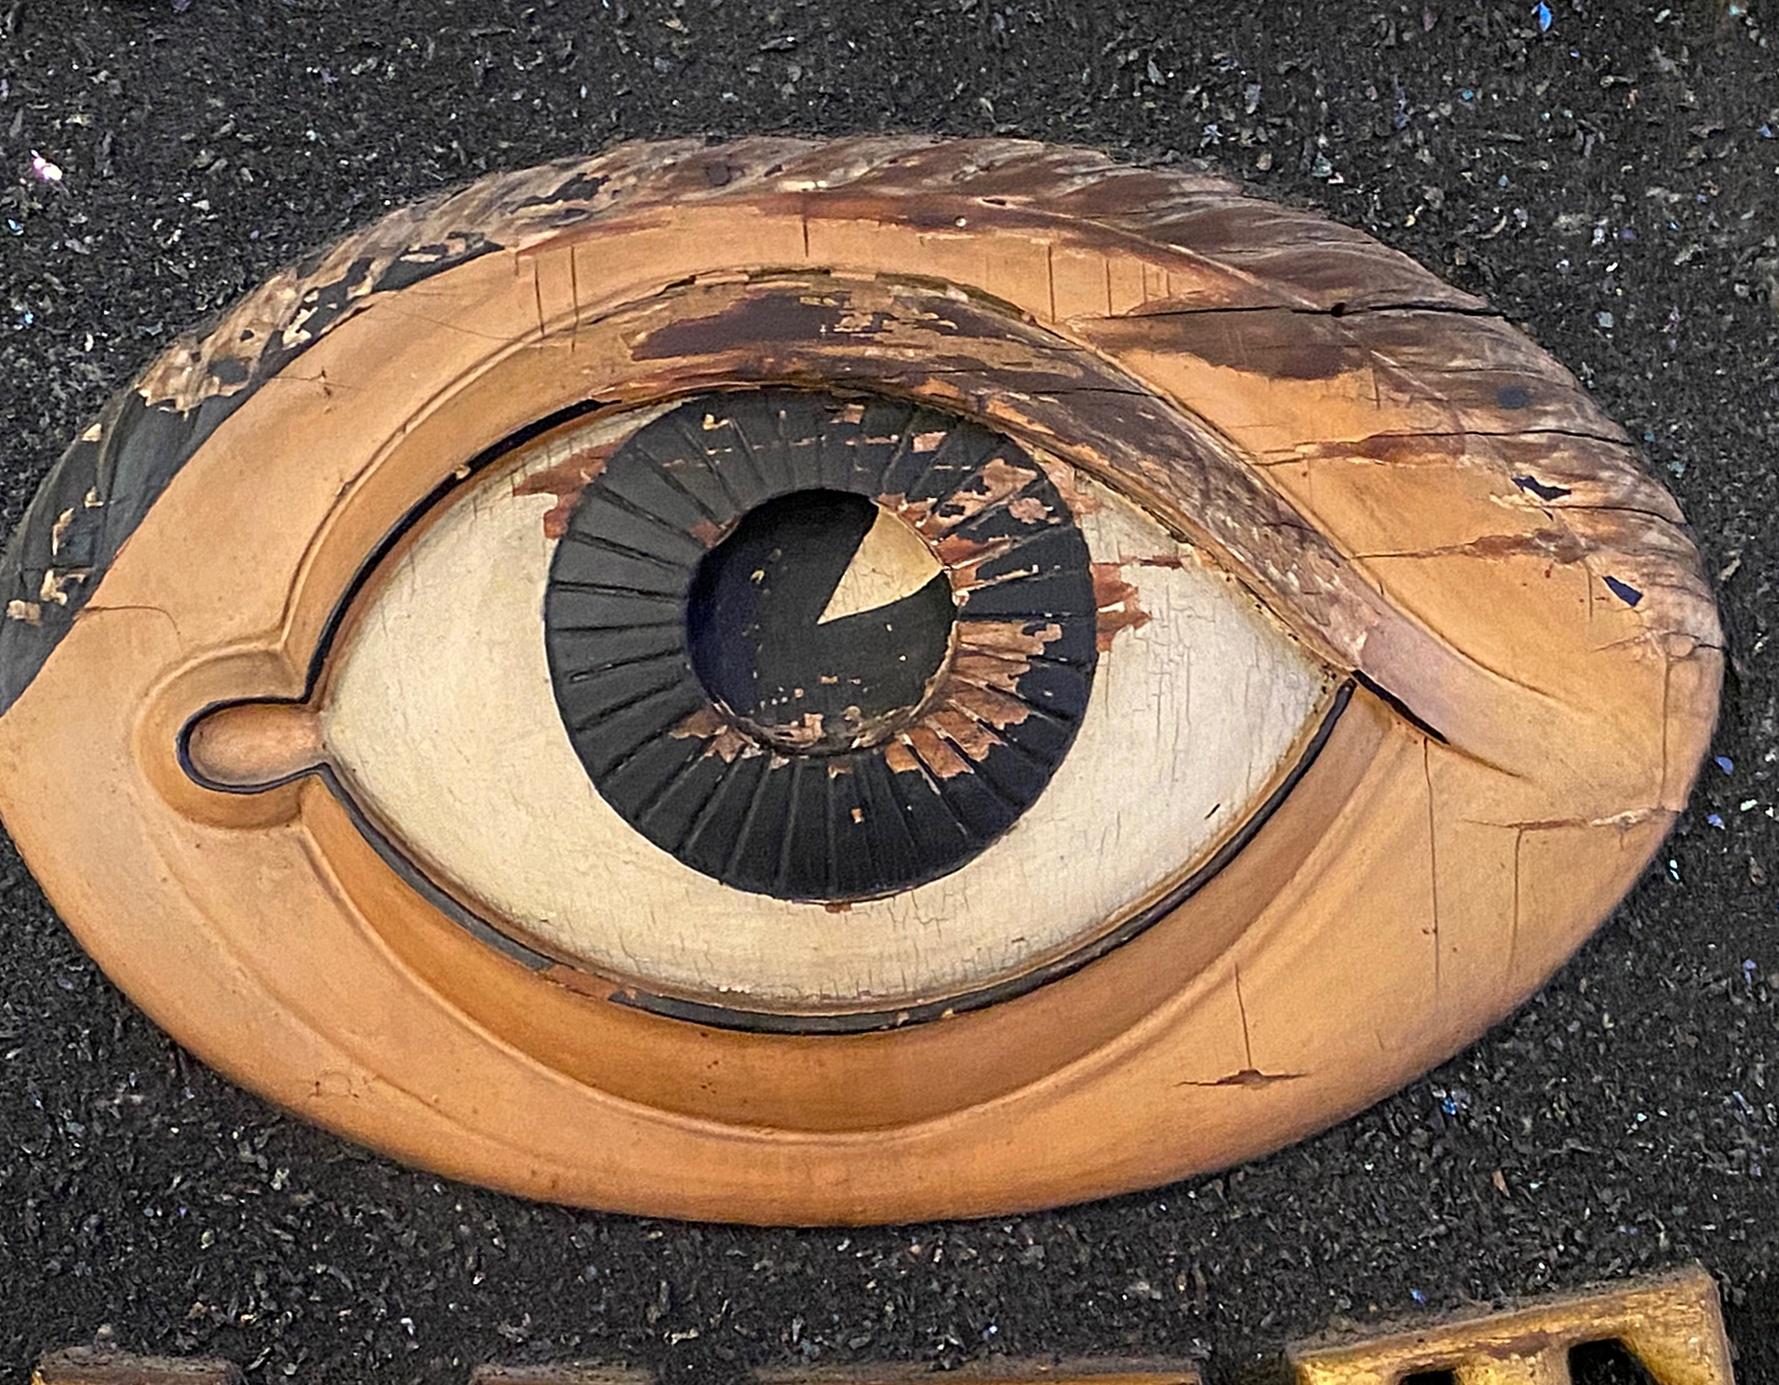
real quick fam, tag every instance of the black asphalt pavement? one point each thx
(1607, 173)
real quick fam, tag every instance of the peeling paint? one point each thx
(724, 740)
(708, 533)
(565, 480)
(1067, 481)
(997, 481)
(971, 735)
(941, 759)
(991, 707)
(900, 757)
(1116, 600)
(55, 585)
(60, 530)
(1248, 1077)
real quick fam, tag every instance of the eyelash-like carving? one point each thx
(348, 691)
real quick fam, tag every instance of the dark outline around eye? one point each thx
(630, 993)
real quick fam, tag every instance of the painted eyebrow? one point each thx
(1051, 394)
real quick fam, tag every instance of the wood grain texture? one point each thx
(1423, 498)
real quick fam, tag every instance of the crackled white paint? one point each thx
(892, 561)
(441, 721)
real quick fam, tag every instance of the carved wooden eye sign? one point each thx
(843, 682)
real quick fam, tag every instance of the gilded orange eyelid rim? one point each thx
(1423, 496)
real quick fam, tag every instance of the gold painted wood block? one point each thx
(1672, 1326)
(571, 1373)
(996, 1372)
(90, 1366)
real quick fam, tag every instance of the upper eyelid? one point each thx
(1209, 489)
(1159, 227)
(1174, 465)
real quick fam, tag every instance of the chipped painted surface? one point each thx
(1164, 793)
(721, 737)
(565, 481)
(1117, 601)
(822, 476)
(1410, 335)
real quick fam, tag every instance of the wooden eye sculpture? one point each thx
(841, 682)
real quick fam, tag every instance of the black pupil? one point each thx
(761, 648)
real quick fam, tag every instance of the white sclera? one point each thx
(440, 719)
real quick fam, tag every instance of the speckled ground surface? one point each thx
(1612, 182)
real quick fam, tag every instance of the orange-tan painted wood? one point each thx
(1355, 468)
